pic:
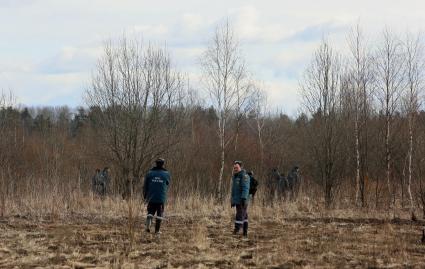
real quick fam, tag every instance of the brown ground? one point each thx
(206, 242)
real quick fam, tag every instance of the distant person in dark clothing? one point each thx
(294, 182)
(95, 182)
(283, 187)
(273, 184)
(155, 190)
(240, 197)
(104, 182)
(253, 185)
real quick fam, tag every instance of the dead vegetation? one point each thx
(197, 234)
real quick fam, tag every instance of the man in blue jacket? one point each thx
(155, 189)
(240, 195)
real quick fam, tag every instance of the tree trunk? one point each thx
(236, 139)
(388, 156)
(364, 149)
(328, 194)
(260, 141)
(2, 196)
(377, 193)
(220, 178)
(356, 133)
(409, 177)
(222, 158)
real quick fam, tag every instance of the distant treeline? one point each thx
(47, 149)
(360, 141)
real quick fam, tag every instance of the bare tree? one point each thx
(244, 88)
(137, 90)
(225, 78)
(6, 146)
(2, 157)
(360, 80)
(258, 113)
(321, 95)
(414, 74)
(389, 85)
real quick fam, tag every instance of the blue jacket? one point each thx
(240, 187)
(156, 184)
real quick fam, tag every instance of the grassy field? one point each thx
(197, 234)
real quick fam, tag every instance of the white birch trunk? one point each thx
(222, 158)
(388, 155)
(409, 178)
(356, 133)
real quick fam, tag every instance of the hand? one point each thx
(243, 202)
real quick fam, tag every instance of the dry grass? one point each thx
(85, 231)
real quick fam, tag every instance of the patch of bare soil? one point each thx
(207, 242)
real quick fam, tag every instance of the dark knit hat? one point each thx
(160, 162)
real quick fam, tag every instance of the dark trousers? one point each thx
(241, 219)
(158, 209)
(155, 208)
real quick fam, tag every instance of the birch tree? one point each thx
(414, 56)
(360, 80)
(224, 76)
(389, 85)
(258, 114)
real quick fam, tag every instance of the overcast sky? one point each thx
(48, 48)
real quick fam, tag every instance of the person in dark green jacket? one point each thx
(240, 196)
(104, 182)
(95, 182)
(294, 182)
(155, 189)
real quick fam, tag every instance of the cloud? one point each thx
(192, 22)
(51, 46)
(283, 96)
(41, 89)
(70, 60)
(158, 30)
(15, 67)
(252, 26)
(312, 33)
(14, 3)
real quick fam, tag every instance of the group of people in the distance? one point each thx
(279, 186)
(244, 187)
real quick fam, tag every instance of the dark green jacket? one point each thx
(240, 187)
(293, 178)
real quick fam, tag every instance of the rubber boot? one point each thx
(157, 226)
(237, 228)
(148, 224)
(245, 229)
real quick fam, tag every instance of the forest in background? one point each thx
(359, 141)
